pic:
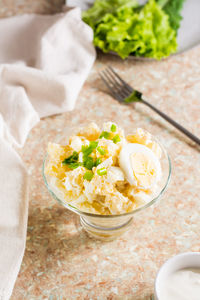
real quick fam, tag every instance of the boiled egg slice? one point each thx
(140, 165)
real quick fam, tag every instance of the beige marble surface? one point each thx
(61, 261)
(16, 7)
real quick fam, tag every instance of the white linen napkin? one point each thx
(44, 61)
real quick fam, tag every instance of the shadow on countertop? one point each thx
(54, 233)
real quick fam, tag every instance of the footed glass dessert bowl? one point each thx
(110, 214)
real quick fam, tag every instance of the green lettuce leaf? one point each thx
(96, 13)
(173, 9)
(129, 29)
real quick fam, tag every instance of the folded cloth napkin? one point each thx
(44, 61)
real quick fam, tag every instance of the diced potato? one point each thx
(144, 138)
(115, 201)
(58, 153)
(74, 180)
(107, 126)
(99, 185)
(90, 132)
(57, 170)
(140, 137)
(76, 142)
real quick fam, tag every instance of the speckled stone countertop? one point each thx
(61, 261)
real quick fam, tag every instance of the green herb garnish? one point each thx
(105, 134)
(74, 165)
(88, 175)
(93, 144)
(102, 171)
(116, 139)
(87, 150)
(113, 128)
(89, 163)
(101, 150)
(98, 161)
(71, 159)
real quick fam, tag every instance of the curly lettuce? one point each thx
(126, 28)
(173, 9)
(100, 8)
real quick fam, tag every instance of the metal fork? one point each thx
(124, 93)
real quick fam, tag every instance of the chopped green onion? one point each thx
(84, 148)
(102, 171)
(116, 139)
(88, 175)
(89, 163)
(113, 128)
(87, 150)
(98, 161)
(71, 159)
(74, 165)
(101, 150)
(93, 144)
(105, 134)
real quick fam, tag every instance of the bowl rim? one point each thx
(170, 261)
(87, 214)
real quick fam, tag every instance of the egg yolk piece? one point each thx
(144, 170)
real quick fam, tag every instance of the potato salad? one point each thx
(102, 171)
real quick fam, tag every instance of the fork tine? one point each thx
(130, 89)
(118, 84)
(113, 93)
(114, 85)
(111, 80)
(115, 78)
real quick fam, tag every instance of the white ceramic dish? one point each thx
(189, 32)
(180, 261)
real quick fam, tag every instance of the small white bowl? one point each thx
(180, 261)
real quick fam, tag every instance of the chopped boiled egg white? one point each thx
(115, 174)
(140, 197)
(106, 163)
(76, 143)
(140, 165)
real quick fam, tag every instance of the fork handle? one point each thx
(175, 124)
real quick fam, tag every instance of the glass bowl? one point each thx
(109, 227)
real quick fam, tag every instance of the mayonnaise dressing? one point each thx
(183, 284)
